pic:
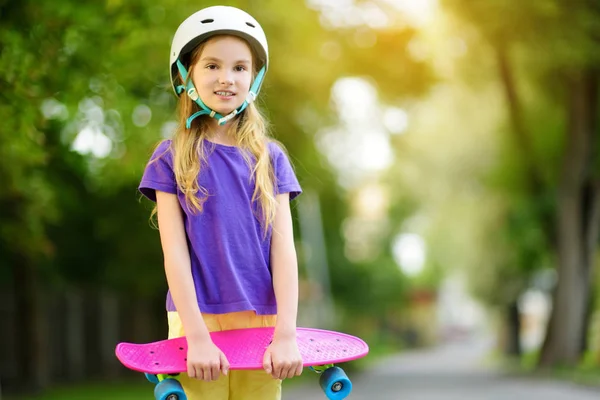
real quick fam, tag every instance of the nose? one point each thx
(226, 78)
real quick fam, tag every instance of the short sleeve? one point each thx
(284, 173)
(159, 174)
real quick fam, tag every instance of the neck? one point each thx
(220, 133)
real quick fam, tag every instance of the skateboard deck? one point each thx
(244, 349)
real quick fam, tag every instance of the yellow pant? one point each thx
(237, 385)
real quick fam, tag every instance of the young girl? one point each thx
(222, 190)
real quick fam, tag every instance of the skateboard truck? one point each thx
(334, 381)
(167, 387)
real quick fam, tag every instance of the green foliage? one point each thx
(540, 26)
(371, 289)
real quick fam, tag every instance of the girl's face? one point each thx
(222, 73)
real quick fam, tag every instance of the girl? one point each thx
(222, 190)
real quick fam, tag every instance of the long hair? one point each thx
(250, 131)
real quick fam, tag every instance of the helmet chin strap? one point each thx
(204, 110)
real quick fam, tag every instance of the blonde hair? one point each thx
(250, 131)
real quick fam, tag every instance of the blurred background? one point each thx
(448, 151)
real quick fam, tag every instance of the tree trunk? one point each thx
(75, 335)
(577, 226)
(534, 178)
(519, 131)
(589, 311)
(513, 321)
(32, 338)
(109, 334)
(536, 186)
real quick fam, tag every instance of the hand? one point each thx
(206, 361)
(282, 358)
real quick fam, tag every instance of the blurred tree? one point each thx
(547, 60)
(37, 40)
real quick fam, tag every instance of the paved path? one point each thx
(452, 372)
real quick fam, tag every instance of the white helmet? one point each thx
(208, 22)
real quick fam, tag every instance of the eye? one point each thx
(240, 68)
(211, 66)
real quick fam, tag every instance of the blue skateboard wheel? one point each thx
(335, 383)
(169, 389)
(151, 378)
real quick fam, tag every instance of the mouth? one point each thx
(225, 93)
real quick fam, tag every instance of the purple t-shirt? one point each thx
(230, 256)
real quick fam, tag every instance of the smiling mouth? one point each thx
(225, 93)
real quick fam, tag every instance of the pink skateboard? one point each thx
(162, 361)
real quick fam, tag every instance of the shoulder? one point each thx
(276, 149)
(279, 157)
(164, 146)
(163, 151)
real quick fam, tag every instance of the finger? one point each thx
(267, 363)
(281, 370)
(287, 371)
(198, 373)
(299, 369)
(276, 370)
(291, 371)
(191, 371)
(215, 369)
(224, 364)
(207, 373)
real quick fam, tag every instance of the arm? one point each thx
(204, 358)
(283, 360)
(177, 265)
(285, 269)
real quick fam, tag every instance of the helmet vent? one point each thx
(251, 25)
(207, 21)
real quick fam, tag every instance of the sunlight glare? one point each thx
(419, 12)
(409, 252)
